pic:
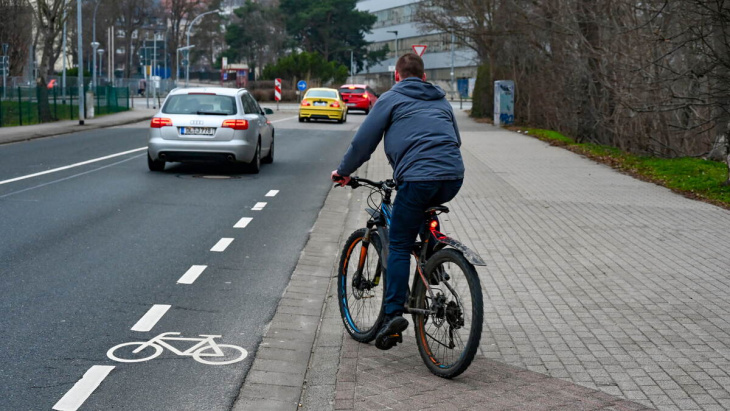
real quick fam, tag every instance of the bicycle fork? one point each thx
(357, 278)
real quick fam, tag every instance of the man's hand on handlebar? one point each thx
(341, 180)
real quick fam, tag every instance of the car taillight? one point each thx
(335, 104)
(235, 124)
(365, 95)
(306, 103)
(159, 122)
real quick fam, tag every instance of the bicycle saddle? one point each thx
(437, 209)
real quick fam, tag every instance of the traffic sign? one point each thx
(277, 89)
(302, 85)
(419, 49)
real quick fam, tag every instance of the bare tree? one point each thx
(49, 24)
(180, 14)
(16, 22)
(131, 16)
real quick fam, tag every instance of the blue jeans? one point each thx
(410, 204)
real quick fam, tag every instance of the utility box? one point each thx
(504, 102)
(89, 104)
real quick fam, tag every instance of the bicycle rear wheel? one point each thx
(360, 294)
(449, 338)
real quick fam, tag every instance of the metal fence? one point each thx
(20, 106)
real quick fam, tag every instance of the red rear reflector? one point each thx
(159, 122)
(305, 103)
(334, 104)
(235, 124)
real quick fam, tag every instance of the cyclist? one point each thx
(422, 145)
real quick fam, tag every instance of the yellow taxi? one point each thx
(322, 103)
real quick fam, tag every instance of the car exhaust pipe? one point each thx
(230, 158)
(163, 156)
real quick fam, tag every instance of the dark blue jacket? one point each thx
(421, 137)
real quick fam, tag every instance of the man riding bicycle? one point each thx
(422, 145)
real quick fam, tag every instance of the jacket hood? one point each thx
(421, 90)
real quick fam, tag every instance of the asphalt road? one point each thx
(86, 252)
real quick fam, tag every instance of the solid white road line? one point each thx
(83, 388)
(242, 223)
(222, 244)
(151, 318)
(192, 274)
(72, 165)
(272, 193)
(259, 206)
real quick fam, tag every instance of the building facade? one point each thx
(397, 20)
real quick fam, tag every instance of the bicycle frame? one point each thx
(432, 240)
(160, 340)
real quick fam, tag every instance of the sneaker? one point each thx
(390, 333)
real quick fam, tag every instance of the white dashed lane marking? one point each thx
(151, 318)
(242, 223)
(259, 206)
(222, 244)
(272, 193)
(76, 396)
(192, 274)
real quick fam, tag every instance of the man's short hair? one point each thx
(409, 65)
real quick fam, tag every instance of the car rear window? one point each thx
(211, 104)
(322, 93)
(348, 90)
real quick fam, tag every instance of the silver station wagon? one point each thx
(211, 124)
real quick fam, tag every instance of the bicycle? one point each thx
(205, 347)
(445, 299)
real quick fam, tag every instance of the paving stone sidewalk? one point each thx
(22, 133)
(601, 292)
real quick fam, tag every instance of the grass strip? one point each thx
(695, 178)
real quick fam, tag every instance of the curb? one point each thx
(282, 359)
(27, 135)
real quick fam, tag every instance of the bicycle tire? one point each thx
(158, 351)
(433, 340)
(361, 310)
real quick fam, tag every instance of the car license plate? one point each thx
(197, 131)
(320, 103)
(350, 104)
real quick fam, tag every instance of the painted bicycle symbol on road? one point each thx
(206, 351)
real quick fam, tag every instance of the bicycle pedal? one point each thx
(389, 341)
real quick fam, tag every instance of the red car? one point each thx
(358, 97)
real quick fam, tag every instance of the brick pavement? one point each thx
(601, 292)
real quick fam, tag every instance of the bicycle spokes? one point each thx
(360, 289)
(448, 325)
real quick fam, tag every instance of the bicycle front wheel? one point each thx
(448, 338)
(360, 291)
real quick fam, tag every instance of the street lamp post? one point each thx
(453, 85)
(94, 45)
(63, 47)
(101, 62)
(81, 62)
(177, 62)
(396, 42)
(192, 23)
(395, 59)
(6, 66)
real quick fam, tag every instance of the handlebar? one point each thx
(356, 182)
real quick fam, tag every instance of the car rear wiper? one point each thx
(214, 113)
